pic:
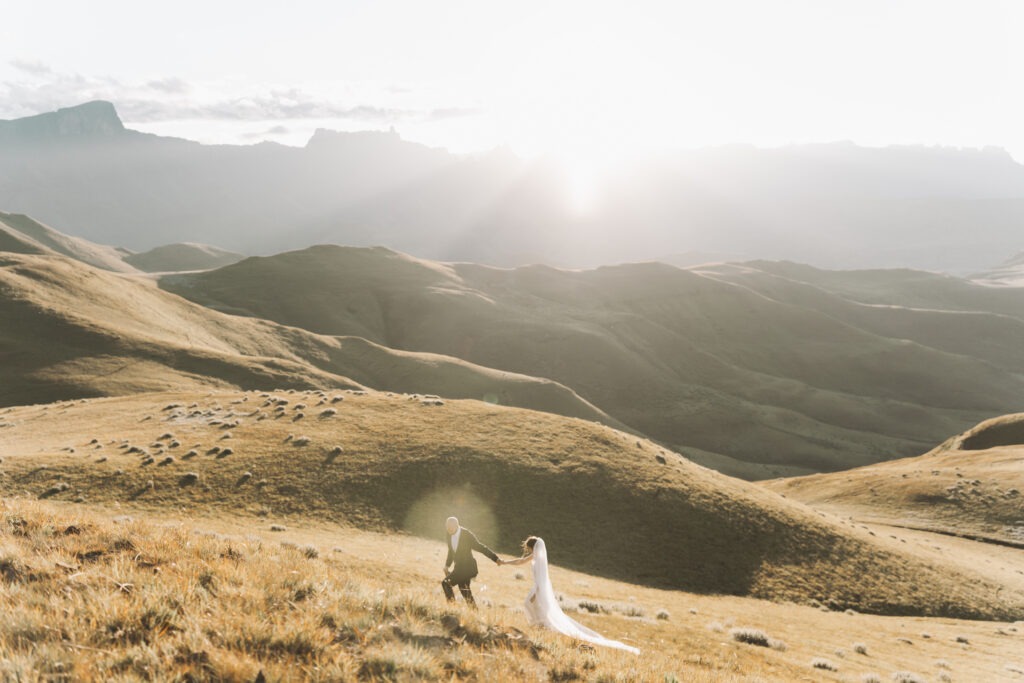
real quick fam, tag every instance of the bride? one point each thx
(541, 605)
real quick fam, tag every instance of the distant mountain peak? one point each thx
(325, 136)
(91, 120)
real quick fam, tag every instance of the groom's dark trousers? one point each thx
(465, 568)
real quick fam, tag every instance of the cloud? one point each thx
(33, 67)
(452, 113)
(174, 86)
(273, 131)
(173, 99)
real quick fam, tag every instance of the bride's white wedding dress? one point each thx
(542, 607)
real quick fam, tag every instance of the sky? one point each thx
(588, 81)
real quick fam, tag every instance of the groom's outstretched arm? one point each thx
(481, 548)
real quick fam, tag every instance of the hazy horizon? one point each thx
(587, 83)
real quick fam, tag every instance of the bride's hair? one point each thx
(528, 544)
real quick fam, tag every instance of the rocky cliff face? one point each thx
(92, 120)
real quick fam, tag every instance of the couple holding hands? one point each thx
(542, 608)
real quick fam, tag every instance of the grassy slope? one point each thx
(688, 359)
(68, 330)
(184, 256)
(971, 485)
(587, 489)
(222, 601)
(903, 287)
(19, 233)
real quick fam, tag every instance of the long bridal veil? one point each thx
(542, 606)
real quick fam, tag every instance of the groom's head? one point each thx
(451, 525)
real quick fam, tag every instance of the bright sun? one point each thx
(587, 101)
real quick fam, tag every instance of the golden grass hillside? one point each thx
(610, 503)
(156, 598)
(754, 385)
(183, 256)
(68, 330)
(21, 234)
(971, 485)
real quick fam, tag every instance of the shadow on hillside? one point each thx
(593, 523)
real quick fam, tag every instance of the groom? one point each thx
(461, 544)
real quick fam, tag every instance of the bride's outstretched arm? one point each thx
(518, 560)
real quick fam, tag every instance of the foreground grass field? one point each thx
(391, 462)
(90, 595)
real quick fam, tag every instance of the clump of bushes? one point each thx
(750, 636)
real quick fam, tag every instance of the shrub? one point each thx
(225, 453)
(166, 461)
(188, 479)
(750, 636)
(907, 677)
(662, 614)
(59, 487)
(310, 552)
(630, 610)
(278, 527)
(821, 663)
(328, 412)
(860, 648)
(301, 441)
(870, 678)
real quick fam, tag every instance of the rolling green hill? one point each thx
(183, 256)
(755, 381)
(68, 331)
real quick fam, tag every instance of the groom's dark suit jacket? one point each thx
(465, 564)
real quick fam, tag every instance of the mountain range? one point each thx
(833, 205)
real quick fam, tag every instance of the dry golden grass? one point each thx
(21, 234)
(91, 595)
(391, 462)
(69, 331)
(971, 485)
